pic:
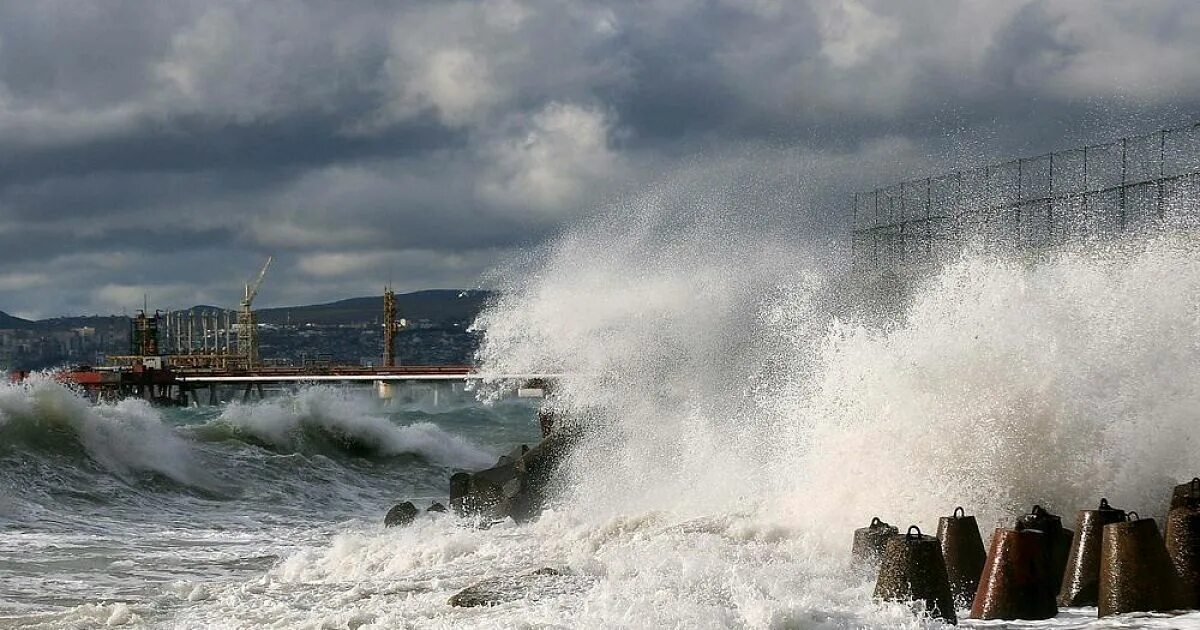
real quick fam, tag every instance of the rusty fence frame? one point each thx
(1132, 184)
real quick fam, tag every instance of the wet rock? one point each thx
(487, 493)
(516, 488)
(546, 421)
(513, 456)
(436, 507)
(497, 590)
(400, 514)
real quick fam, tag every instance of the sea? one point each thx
(743, 416)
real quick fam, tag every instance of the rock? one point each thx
(436, 507)
(401, 514)
(538, 467)
(497, 590)
(518, 486)
(486, 493)
(512, 457)
(546, 419)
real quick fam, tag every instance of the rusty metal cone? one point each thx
(962, 549)
(1186, 494)
(912, 569)
(1136, 575)
(1081, 582)
(1016, 581)
(1183, 547)
(1058, 539)
(869, 543)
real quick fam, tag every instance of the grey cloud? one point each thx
(168, 146)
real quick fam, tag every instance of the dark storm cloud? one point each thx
(166, 147)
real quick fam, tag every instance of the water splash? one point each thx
(724, 375)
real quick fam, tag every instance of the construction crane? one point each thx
(247, 333)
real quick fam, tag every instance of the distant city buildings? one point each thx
(423, 342)
(47, 347)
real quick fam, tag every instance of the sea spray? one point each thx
(725, 379)
(721, 487)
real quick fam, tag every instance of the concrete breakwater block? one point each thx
(1186, 493)
(912, 569)
(962, 550)
(1136, 574)
(1016, 581)
(1058, 540)
(869, 542)
(1183, 547)
(1081, 581)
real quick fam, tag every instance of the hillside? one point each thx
(439, 305)
(9, 322)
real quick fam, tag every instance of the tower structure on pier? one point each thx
(247, 333)
(390, 326)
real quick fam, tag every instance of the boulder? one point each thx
(436, 507)
(400, 514)
(517, 486)
(513, 456)
(498, 590)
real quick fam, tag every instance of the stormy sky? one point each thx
(166, 147)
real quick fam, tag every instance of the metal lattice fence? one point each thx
(1132, 184)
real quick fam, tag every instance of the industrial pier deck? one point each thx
(182, 386)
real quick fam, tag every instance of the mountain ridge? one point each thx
(439, 305)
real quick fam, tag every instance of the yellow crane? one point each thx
(247, 333)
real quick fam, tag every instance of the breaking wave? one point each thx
(58, 449)
(124, 438)
(328, 420)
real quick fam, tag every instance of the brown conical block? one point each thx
(1016, 581)
(1183, 547)
(1186, 494)
(962, 549)
(1058, 539)
(1136, 575)
(912, 569)
(1081, 581)
(869, 543)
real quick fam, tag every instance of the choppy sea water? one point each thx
(129, 514)
(742, 424)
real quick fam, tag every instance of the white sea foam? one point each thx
(350, 420)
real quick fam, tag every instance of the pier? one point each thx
(197, 386)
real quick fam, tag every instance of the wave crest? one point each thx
(124, 437)
(332, 421)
